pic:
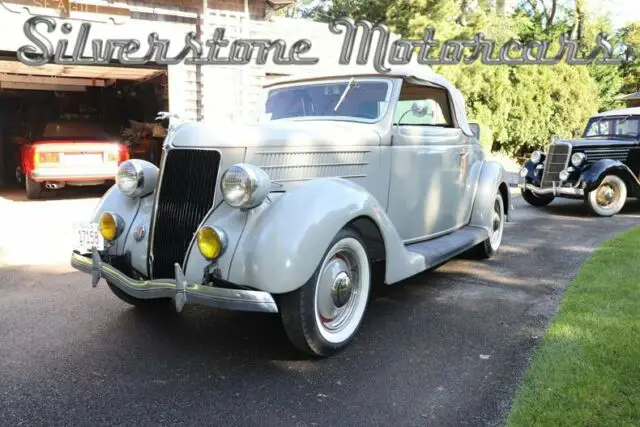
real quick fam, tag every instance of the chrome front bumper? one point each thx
(556, 191)
(179, 289)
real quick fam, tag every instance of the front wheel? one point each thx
(535, 199)
(609, 198)
(144, 304)
(322, 316)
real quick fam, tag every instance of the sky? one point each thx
(622, 11)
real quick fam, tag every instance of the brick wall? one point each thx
(256, 7)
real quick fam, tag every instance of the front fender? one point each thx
(282, 246)
(492, 179)
(532, 176)
(593, 174)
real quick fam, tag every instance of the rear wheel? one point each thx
(487, 248)
(609, 198)
(32, 188)
(537, 200)
(323, 316)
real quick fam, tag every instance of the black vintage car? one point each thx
(602, 168)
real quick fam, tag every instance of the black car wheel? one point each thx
(535, 199)
(32, 188)
(609, 198)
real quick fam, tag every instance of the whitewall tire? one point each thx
(609, 198)
(323, 316)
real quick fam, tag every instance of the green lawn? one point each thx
(587, 369)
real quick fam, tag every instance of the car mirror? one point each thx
(475, 129)
(419, 108)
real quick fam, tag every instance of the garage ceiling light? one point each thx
(34, 86)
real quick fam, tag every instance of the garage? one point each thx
(122, 102)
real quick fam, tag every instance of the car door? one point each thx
(430, 164)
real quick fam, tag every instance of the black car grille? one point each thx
(556, 161)
(186, 193)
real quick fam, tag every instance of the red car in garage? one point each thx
(68, 152)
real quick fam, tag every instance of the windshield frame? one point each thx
(617, 117)
(389, 81)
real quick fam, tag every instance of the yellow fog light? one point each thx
(211, 242)
(110, 226)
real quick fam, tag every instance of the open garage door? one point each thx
(114, 96)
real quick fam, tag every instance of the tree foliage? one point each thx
(520, 108)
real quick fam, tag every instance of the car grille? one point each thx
(556, 161)
(595, 154)
(185, 194)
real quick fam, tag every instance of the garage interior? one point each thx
(124, 100)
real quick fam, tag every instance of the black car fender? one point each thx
(594, 173)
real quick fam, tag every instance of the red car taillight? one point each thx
(124, 153)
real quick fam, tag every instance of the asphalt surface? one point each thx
(447, 347)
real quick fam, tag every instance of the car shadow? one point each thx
(578, 208)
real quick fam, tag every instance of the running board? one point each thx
(442, 249)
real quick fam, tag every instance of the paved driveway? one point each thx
(444, 348)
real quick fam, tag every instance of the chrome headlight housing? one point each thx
(577, 159)
(137, 178)
(244, 186)
(536, 156)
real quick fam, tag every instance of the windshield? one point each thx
(72, 129)
(618, 126)
(360, 99)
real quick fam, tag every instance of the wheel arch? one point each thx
(310, 216)
(596, 172)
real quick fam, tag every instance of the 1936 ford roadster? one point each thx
(288, 215)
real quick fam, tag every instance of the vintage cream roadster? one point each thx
(287, 215)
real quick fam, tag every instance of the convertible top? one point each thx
(416, 73)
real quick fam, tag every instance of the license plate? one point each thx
(88, 237)
(81, 159)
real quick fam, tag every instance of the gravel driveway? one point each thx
(447, 347)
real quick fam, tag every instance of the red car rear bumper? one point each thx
(73, 174)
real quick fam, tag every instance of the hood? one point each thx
(600, 142)
(277, 133)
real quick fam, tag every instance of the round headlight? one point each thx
(211, 242)
(536, 156)
(566, 174)
(136, 177)
(129, 178)
(110, 226)
(244, 186)
(523, 172)
(577, 159)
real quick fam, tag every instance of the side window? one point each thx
(436, 101)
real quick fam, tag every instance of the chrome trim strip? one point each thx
(154, 211)
(569, 191)
(181, 291)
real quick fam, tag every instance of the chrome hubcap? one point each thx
(605, 195)
(338, 286)
(497, 224)
(341, 290)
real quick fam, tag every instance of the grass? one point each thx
(587, 370)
